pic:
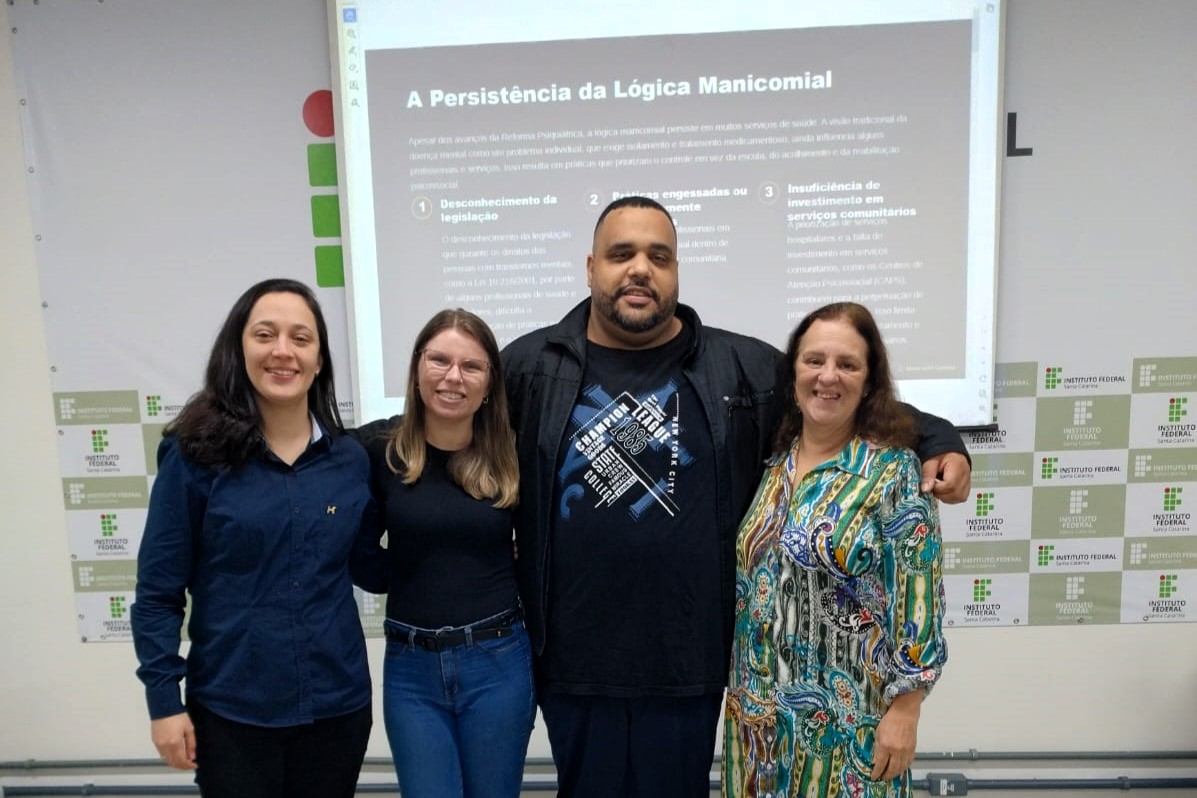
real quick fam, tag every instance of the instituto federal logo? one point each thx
(1176, 429)
(116, 606)
(951, 557)
(1177, 409)
(1048, 467)
(87, 575)
(155, 407)
(1044, 556)
(981, 590)
(1078, 501)
(1053, 378)
(109, 544)
(99, 441)
(75, 493)
(1171, 374)
(66, 409)
(1173, 518)
(1073, 605)
(1167, 605)
(322, 178)
(986, 524)
(984, 504)
(982, 609)
(1142, 465)
(1082, 412)
(99, 461)
(1138, 553)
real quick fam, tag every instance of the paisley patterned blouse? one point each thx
(839, 605)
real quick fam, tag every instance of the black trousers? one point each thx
(318, 760)
(632, 747)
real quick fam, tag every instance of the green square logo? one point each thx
(1051, 377)
(984, 504)
(330, 267)
(981, 591)
(108, 525)
(1044, 556)
(326, 216)
(1167, 585)
(116, 606)
(1047, 468)
(322, 164)
(153, 405)
(1177, 409)
(1172, 498)
(99, 441)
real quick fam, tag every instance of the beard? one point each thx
(606, 305)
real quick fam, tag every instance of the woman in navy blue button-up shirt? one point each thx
(259, 509)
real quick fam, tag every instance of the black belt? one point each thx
(439, 640)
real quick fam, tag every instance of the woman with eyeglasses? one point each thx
(458, 699)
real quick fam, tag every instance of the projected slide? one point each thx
(802, 166)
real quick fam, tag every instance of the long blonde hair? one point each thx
(487, 468)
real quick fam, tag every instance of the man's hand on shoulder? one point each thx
(947, 477)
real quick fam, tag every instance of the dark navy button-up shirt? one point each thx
(265, 551)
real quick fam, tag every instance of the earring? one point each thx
(485, 399)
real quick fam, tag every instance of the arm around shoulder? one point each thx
(369, 567)
(947, 467)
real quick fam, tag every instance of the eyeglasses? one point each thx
(438, 364)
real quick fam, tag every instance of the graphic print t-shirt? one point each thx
(634, 564)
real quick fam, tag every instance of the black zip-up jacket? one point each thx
(733, 376)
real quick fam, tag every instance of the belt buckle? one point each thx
(438, 641)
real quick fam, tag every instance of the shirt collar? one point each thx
(855, 458)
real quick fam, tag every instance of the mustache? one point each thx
(638, 284)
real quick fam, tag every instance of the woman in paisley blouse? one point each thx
(839, 599)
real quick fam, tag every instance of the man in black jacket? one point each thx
(641, 437)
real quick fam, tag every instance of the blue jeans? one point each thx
(458, 720)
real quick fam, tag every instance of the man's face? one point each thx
(632, 274)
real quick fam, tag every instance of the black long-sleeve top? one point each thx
(449, 559)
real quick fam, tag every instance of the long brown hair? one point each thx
(218, 425)
(487, 468)
(880, 418)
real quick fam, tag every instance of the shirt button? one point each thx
(295, 511)
(294, 583)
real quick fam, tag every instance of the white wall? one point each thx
(58, 697)
(1018, 689)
